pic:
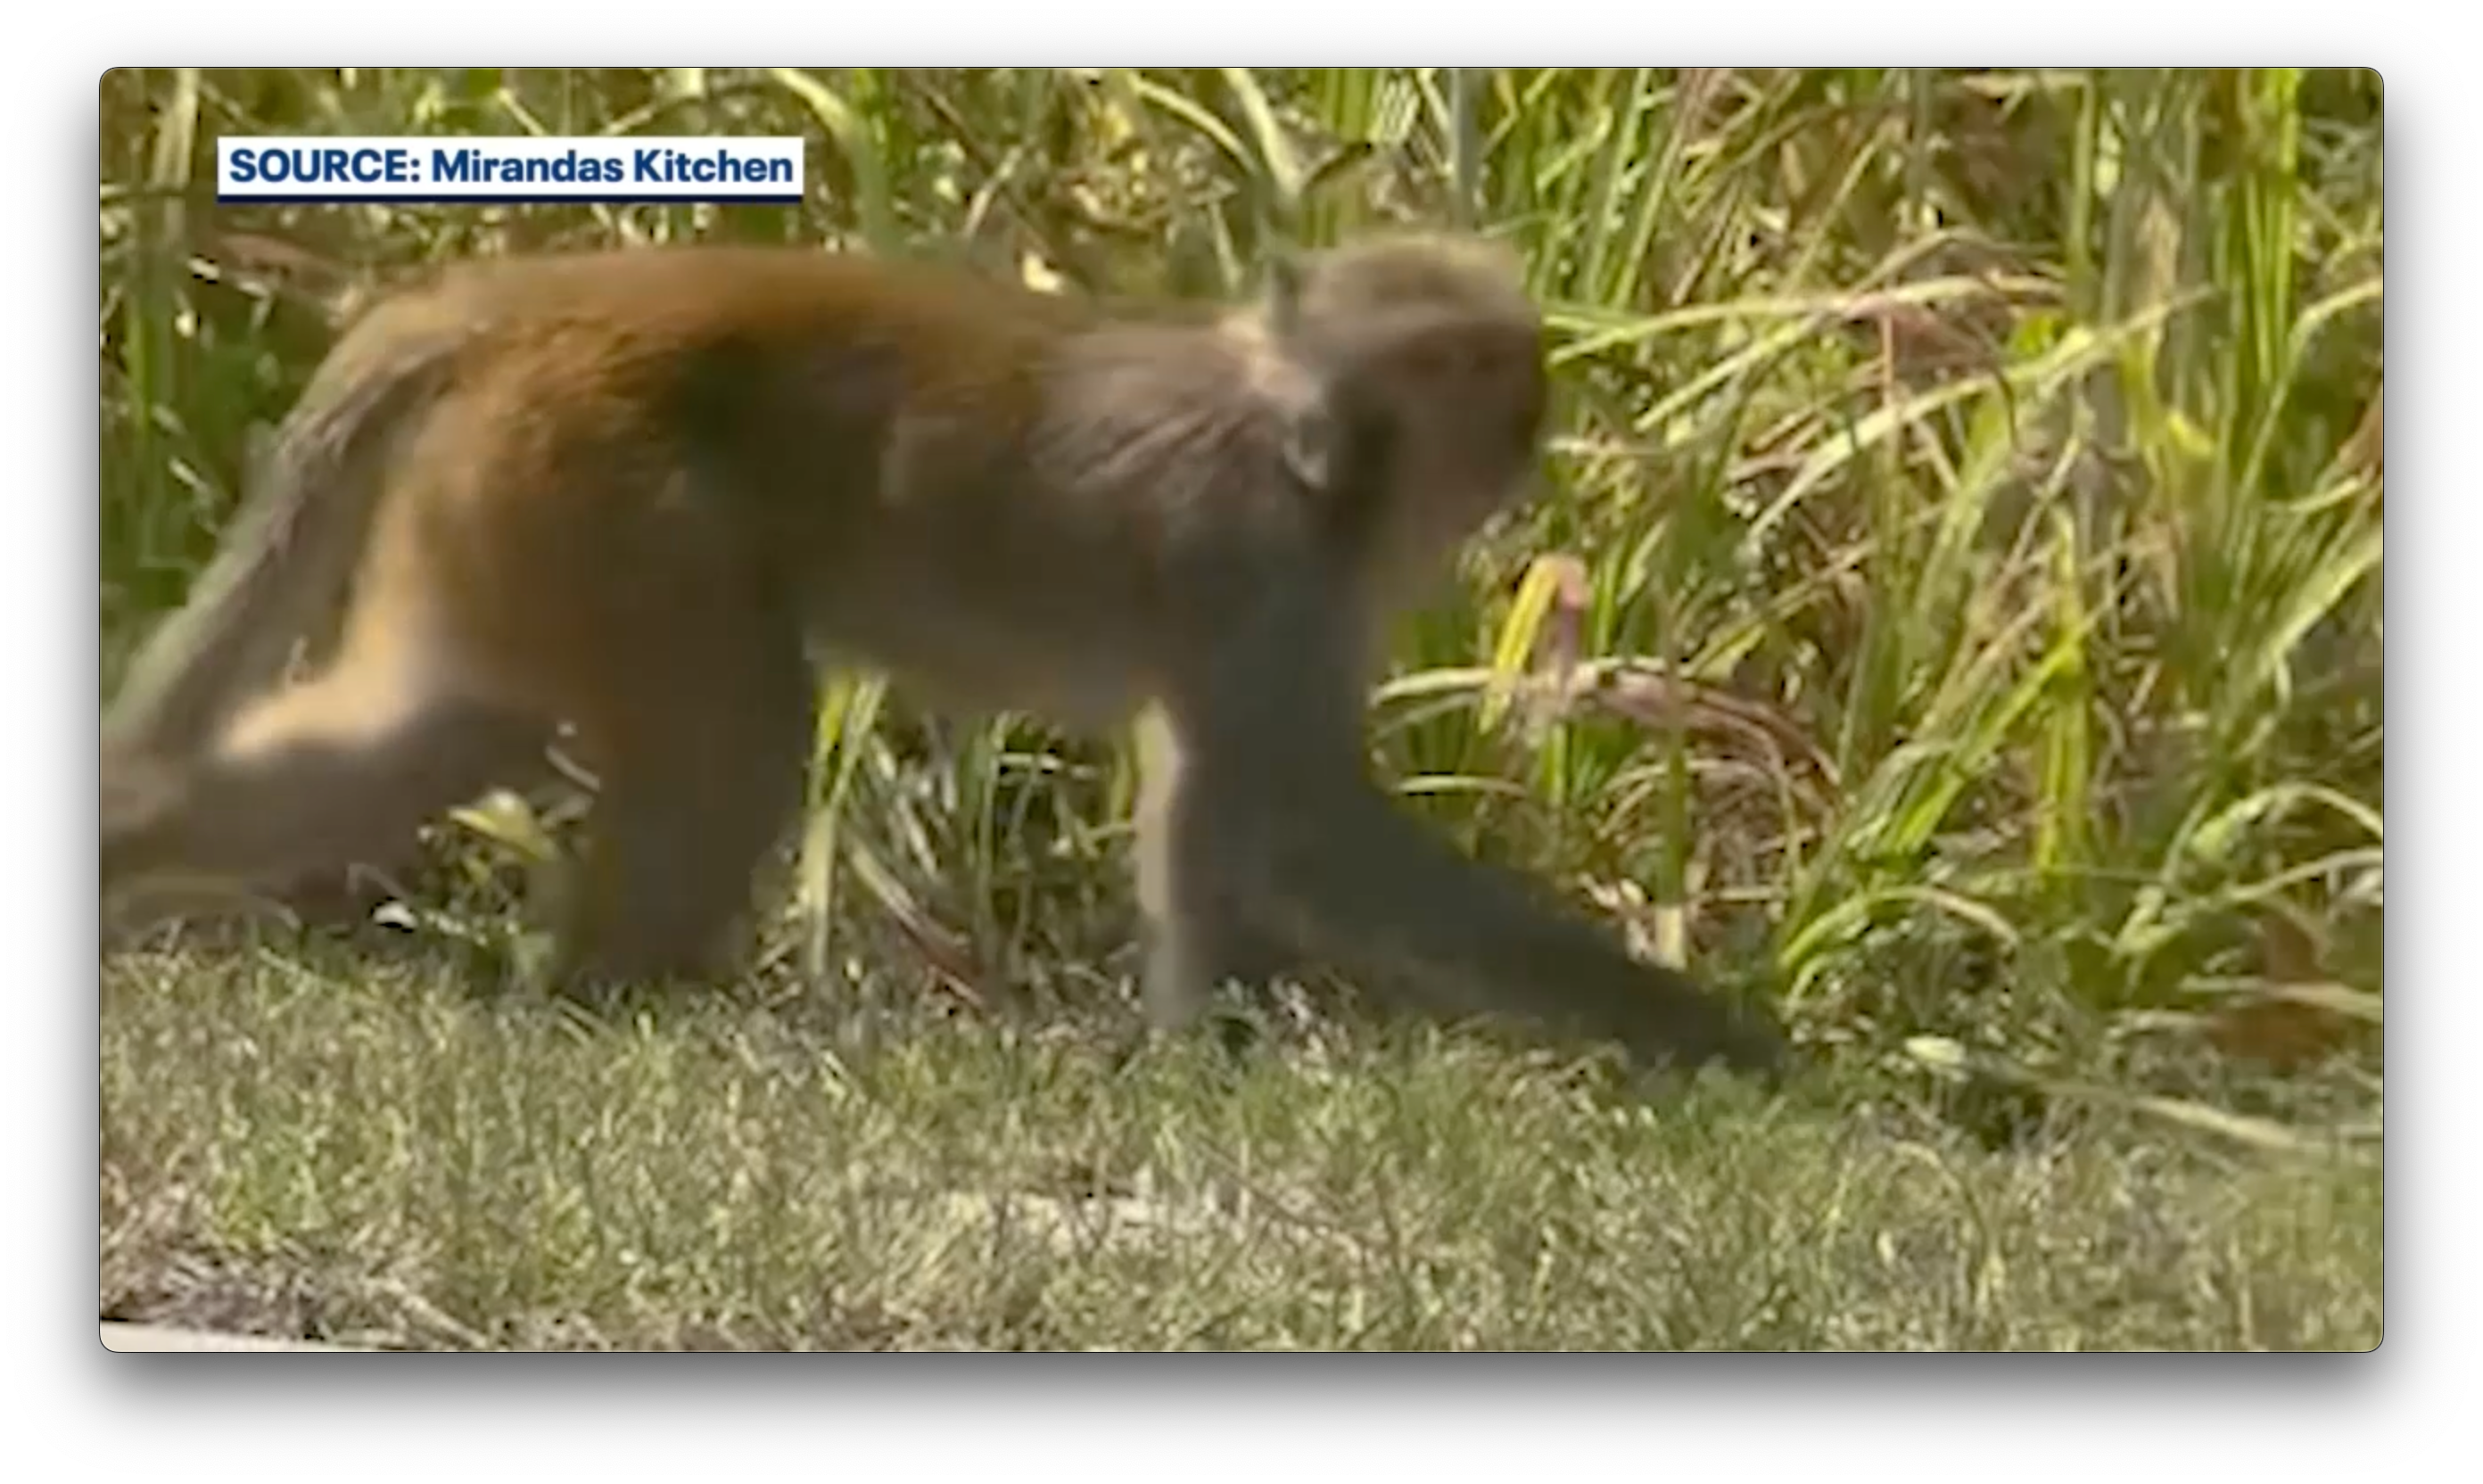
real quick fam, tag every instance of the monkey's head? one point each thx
(1427, 386)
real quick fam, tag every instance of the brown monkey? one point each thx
(641, 493)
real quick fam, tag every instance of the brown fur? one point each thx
(643, 493)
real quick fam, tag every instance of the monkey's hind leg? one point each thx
(699, 774)
(338, 772)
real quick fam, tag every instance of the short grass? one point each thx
(294, 1143)
(1966, 498)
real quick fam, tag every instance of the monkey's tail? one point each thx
(288, 558)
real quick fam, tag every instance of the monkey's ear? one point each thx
(1310, 443)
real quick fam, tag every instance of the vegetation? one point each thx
(1954, 614)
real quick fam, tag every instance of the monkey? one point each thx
(639, 498)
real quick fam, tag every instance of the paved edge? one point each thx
(155, 1336)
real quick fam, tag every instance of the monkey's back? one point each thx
(968, 482)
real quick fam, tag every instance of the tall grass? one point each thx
(1973, 482)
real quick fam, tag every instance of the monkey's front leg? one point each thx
(1199, 934)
